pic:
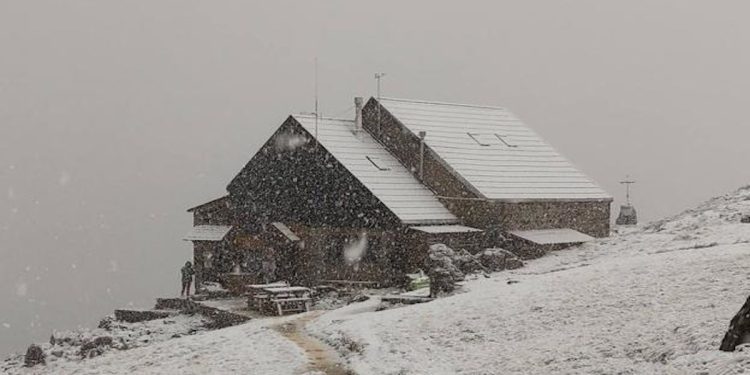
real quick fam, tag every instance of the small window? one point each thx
(504, 139)
(477, 138)
(378, 163)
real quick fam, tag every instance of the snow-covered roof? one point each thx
(224, 197)
(445, 229)
(494, 152)
(208, 233)
(552, 236)
(379, 171)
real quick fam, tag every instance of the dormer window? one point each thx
(378, 163)
(504, 139)
(478, 139)
(493, 139)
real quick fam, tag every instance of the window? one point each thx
(476, 137)
(504, 139)
(493, 139)
(378, 163)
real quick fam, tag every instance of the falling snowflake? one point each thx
(21, 289)
(64, 179)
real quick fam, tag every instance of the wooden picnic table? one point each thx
(281, 299)
(259, 287)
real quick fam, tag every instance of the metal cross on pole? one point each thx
(378, 77)
(627, 182)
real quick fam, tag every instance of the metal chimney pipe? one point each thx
(422, 134)
(358, 112)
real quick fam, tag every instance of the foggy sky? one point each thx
(115, 117)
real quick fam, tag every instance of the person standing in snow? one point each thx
(187, 278)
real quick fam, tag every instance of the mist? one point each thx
(115, 117)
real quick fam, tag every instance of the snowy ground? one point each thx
(252, 348)
(647, 302)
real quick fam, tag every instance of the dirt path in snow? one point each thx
(322, 358)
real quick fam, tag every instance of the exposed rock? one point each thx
(441, 281)
(442, 256)
(95, 347)
(498, 259)
(745, 219)
(106, 323)
(442, 271)
(468, 263)
(34, 356)
(739, 329)
(135, 316)
(357, 298)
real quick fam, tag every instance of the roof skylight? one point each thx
(379, 164)
(490, 139)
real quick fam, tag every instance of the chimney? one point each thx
(422, 134)
(358, 113)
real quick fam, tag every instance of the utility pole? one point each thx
(316, 102)
(627, 182)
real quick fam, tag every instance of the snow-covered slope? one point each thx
(252, 348)
(653, 300)
(650, 301)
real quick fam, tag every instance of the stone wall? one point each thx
(590, 217)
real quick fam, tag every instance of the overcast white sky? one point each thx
(117, 116)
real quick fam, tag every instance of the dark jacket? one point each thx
(187, 273)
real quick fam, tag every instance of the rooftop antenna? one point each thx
(627, 182)
(378, 77)
(316, 101)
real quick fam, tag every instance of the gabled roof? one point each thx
(208, 203)
(208, 233)
(494, 152)
(378, 170)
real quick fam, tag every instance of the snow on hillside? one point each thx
(653, 301)
(252, 348)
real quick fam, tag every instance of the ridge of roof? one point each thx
(308, 115)
(442, 103)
